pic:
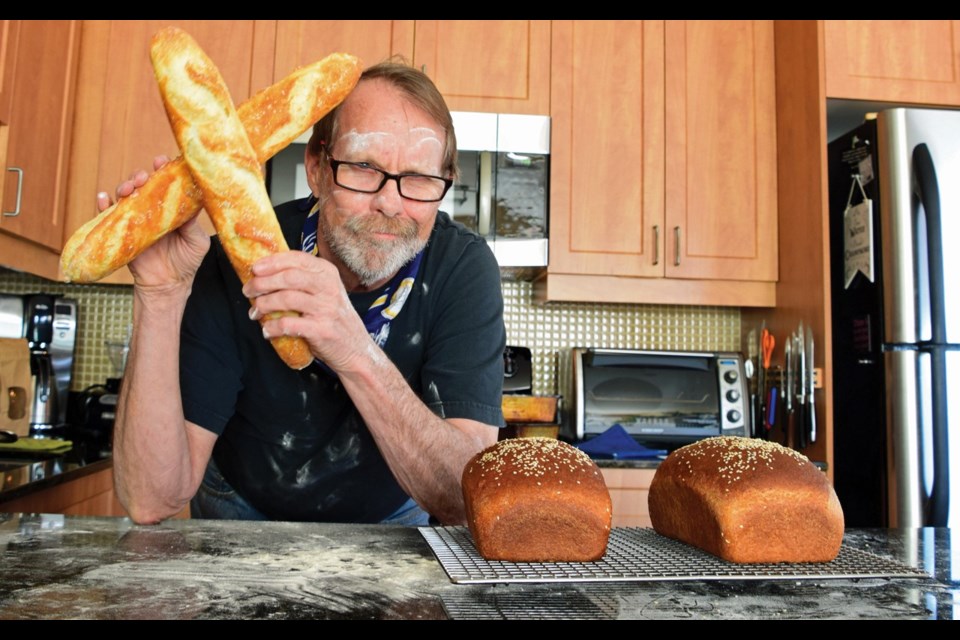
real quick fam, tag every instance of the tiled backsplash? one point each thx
(104, 313)
(550, 330)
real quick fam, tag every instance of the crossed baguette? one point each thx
(273, 118)
(222, 150)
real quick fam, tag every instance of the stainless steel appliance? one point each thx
(895, 256)
(664, 399)
(517, 370)
(49, 324)
(504, 184)
(503, 189)
(93, 413)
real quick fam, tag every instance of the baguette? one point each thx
(273, 118)
(222, 162)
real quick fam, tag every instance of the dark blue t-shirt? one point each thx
(291, 442)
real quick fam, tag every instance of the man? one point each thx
(404, 389)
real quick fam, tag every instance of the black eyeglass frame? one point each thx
(335, 164)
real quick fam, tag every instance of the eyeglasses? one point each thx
(363, 178)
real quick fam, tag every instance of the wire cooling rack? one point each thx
(641, 554)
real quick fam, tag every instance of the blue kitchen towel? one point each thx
(617, 444)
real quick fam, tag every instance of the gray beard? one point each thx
(369, 259)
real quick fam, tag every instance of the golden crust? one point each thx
(221, 160)
(272, 118)
(536, 500)
(747, 500)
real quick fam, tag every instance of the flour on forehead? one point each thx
(357, 142)
(427, 136)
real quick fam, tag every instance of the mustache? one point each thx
(403, 228)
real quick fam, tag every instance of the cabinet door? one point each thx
(914, 61)
(606, 189)
(40, 121)
(487, 65)
(301, 42)
(9, 32)
(629, 490)
(721, 150)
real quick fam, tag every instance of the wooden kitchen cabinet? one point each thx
(629, 489)
(500, 66)
(721, 150)
(84, 495)
(663, 175)
(911, 61)
(478, 65)
(39, 77)
(89, 495)
(9, 34)
(301, 42)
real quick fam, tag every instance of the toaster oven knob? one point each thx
(733, 395)
(730, 376)
(733, 416)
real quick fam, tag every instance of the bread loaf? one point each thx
(747, 500)
(221, 160)
(536, 500)
(272, 118)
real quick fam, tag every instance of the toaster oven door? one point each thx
(662, 399)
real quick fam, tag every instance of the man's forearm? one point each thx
(425, 453)
(156, 456)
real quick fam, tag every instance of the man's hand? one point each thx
(174, 259)
(311, 286)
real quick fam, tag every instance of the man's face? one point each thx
(374, 234)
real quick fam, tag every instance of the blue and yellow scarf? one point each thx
(388, 304)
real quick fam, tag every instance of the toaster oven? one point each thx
(664, 399)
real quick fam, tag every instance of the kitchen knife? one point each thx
(811, 414)
(771, 411)
(788, 390)
(761, 385)
(767, 344)
(801, 393)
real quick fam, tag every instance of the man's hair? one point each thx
(418, 88)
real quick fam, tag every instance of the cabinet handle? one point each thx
(656, 244)
(676, 246)
(485, 188)
(16, 211)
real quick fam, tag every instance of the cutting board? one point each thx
(16, 386)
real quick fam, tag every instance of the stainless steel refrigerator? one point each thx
(895, 284)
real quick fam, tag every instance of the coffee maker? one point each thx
(49, 325)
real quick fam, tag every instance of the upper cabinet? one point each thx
(9, 33)
(663, 181)
(301, 42)
(912, 61)
(487, 65)
(36, 107)
(607, 149)
(478, 65)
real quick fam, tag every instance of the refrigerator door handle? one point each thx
(928, 191)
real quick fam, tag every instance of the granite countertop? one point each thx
(69, 567)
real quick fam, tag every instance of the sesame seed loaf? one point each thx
(536, 500)
(747, 500)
